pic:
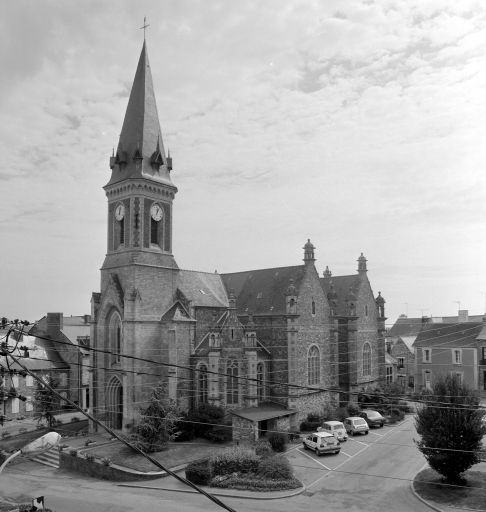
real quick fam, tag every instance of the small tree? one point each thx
(158, 425)
(46, 403)
(449, 423)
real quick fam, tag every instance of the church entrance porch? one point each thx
(114, 404)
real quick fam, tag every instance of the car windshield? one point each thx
(373, 414)
(359, 422)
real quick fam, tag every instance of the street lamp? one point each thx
(39, 445)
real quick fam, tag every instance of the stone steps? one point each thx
(49, 458)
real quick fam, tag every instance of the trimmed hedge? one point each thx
(198, 472)
(276, 468)
(254, 483)
(238, 459)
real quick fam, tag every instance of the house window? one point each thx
(366, 311)
(232, 394)
(366, 360)
(427, 355)
(389, 374)
(212, 340)
(63, 380)
(428, 379)
(313, 366)
(400, 362)
(252, 341)
(261, 382)
(411, 381)
(484, 354)
(15, 405)
(64, 396)
(28, 404)
(202, 384)
(29, 381)
(456, 357)
(313, 308)
(459, 376)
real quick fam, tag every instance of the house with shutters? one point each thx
(451, 348)
(268, 345)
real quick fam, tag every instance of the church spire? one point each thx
(141, 137)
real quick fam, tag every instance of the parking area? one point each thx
(310, 467)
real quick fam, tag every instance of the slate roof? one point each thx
(390, 359)
(141, 129)
(405, 327)
(341, 284)
(264, 411)
(263, 291)
(447, 336)
(202, 288)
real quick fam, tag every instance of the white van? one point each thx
(336, 428)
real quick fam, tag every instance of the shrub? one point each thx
(314, 417)
(353, 409)
(106, 461)
(306, 426)
(263, 449)
(90, 457)
(199, 422)
(220, 434)
(237, 459)
(254, 483)
(341, 414)
(294, 435)
(57, 423)
(22, 430)
(21, 417)
(198, 472)
(5, 434)
(278, 442)
(73, 452)
(74, 419)
(277, 468)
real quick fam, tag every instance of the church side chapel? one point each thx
(256, 332)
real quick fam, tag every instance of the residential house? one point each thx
(390, 368)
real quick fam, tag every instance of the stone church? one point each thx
(268, 345)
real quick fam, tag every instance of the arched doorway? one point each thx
(114, 404)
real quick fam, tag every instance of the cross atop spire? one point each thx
(144, 26)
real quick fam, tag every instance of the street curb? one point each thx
(257, 496)
(415, 493)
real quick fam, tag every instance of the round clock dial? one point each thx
(119, 212)
(156, 212)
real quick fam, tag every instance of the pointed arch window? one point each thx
(261, 382)
(314, 366)
(202, 384)
(313, 305)
(115, 337)
(366, 360)
(232, 390)
(366, 311)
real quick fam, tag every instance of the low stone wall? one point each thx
(78, 464)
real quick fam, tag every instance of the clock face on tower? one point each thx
(119, 212)
(156, 212)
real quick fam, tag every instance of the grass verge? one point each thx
(428, 484)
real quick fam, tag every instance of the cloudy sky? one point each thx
(357, 124)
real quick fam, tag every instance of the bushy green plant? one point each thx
(263, 449)
(73, 452)
(198, 472)
(450, 419)
(328, 413)
(278, 441)
(353, 409)
(158, 426)
(314, 416)
(106, 461)
(45, 402)
(237, 459)
(220, 433)
(90, 457)
(307, 426)
(75, 418)
(276, 468)
(5, 434)
(254, 483)
(341, 414)
(201, 422)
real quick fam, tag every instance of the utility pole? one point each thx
(422, 311)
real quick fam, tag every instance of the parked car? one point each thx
(322, 442)
(355, 425)
(373, 418)
(336, 428)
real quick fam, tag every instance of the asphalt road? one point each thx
(371, 473)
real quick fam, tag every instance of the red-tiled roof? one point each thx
(263, 291)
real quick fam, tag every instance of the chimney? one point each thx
(87, 319)
(463, 316)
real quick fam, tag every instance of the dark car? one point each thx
(373, 418)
